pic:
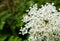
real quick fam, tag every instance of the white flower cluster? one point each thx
(44, 23)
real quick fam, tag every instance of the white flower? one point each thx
(59, 8)
(44, 23)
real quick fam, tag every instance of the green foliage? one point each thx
(3, 16)
(1, 25)
(11, 16)
(13, 38)
(2, 38)
(25, 40)
(2, 5)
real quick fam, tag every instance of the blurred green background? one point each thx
(11, 12)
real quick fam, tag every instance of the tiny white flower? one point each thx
(52, 3)
(47, 3)
(59, 8)
(27, 10)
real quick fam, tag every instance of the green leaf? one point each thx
(3, 16)
(2, 5)
(2, 38)
(13, 38)
(1, 25)
(25, 40)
